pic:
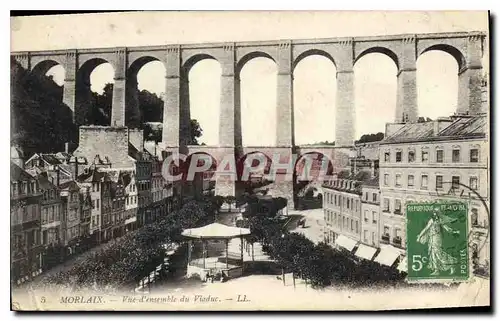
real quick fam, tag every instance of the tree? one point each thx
(196, 131)
(368, 138)
(40, 121)
(343, 174)
(135, 255)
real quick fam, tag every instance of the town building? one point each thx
(142, 161)
(91, 179)
(445, 159)
(370, 210)
(342, 208)
(51, 209)
(86, 240)
(70, 197)
(118, 196)
(25, 221)
(130, 202)
(106, 210)
(158, 195)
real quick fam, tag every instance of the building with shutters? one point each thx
(448, 159)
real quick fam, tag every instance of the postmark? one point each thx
(478, 211)
(437, 247)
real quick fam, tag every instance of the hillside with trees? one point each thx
(41, 122)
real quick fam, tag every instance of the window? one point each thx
(439, 181)
(474, 217)
(374, 215)
(357, 227)
(366, 215)
(387, 157)
(455, 156)
(365, 235)
(352, 228)
(398, 180)
(374, 197)
(397, 206)
(474, 155)
(97, 202)
(473, 182)
(455, 182)
(386, 205)
(373, 238)
(398, 156)
(411, 180)
(348, 204)
(386, 230)
(411, 156)
(335, 199)
(386, 179)
(424, 182)
(425, 156)
(439, 156)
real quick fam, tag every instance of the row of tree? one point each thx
(318, 264)
(125, 261)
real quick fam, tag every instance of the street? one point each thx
(313, 229)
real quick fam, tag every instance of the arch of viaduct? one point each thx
(467, 48)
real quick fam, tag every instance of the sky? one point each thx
(314, 77)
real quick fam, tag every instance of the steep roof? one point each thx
(372, 182)
(44, 182)
(459, 127)
(412, 132)
(69, 185)
(91, 174)
(50, 158)
(469, 127)
(18, 174)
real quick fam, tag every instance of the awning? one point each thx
(388, 255)
(51, 225)
(130, 220)
(215, 231)
(365, 252)
(403, 266)
(345, 242)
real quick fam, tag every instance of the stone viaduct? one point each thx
(467, 48)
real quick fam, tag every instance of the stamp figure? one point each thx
(437, 241)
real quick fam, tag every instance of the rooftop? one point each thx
(18, 174)
(455, 127)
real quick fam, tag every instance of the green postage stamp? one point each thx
(437, 247)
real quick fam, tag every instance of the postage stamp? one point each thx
(437, 245)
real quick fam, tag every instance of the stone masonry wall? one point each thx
(105, 141)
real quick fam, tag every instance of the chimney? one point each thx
(75, 168)
(58, 178)
(436, 127)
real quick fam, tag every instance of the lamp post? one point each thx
(282, 267)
